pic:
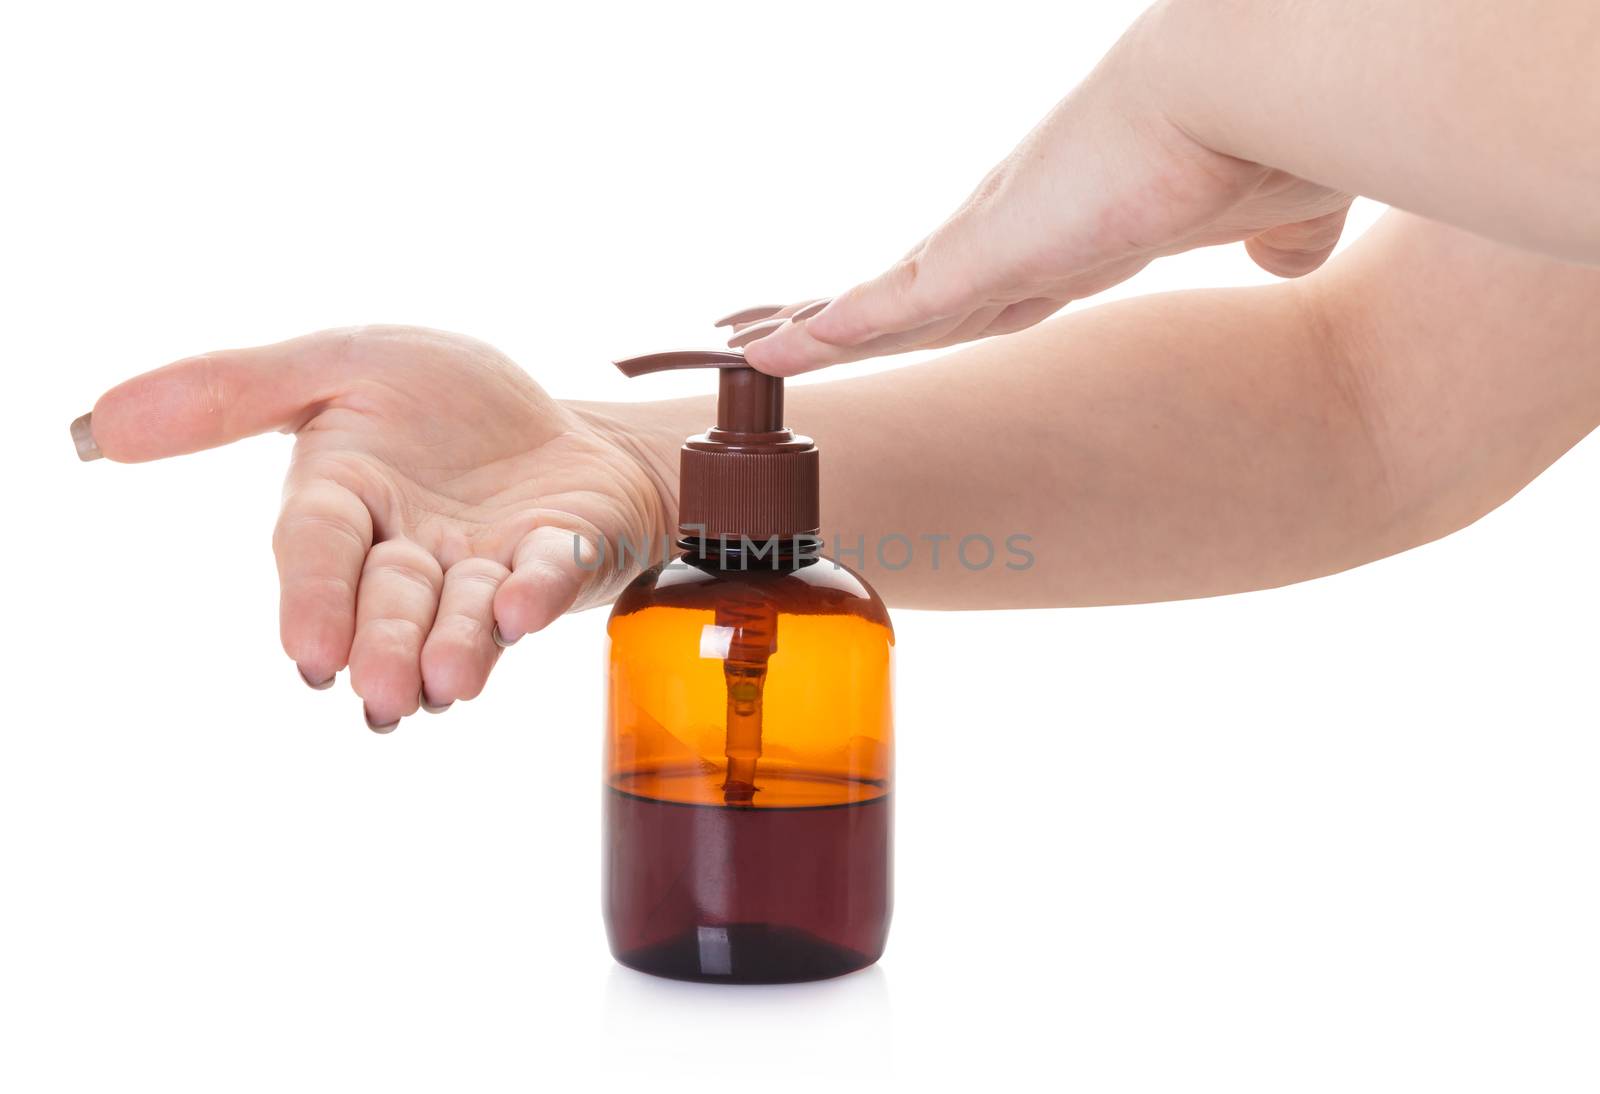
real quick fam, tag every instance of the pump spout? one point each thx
(748, 402)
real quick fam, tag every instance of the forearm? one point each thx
(1476, 113)
(1169, 447)
(1202, 443)
(1174, 446)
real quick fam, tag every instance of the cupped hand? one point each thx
(439, 505)
(1102, 186)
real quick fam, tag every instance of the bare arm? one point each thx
(1477, 113)
(1174, 446)
(1208, 442)
(1213, 121)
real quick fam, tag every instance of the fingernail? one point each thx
(500, 639)
(316, 685)
(433, 708)
(755, 332)
(748, 315)
(386, 727)
(83, 437)
(809, 310)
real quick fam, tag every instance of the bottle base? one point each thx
(745, 953)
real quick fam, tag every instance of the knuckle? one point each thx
(461, 642)
(905, 275)
(306, 592)
(541, 571)
(386, 637)
(919, 283)
(479, 571)
(462, 635)
(320, 523)
(391, 574)
(405, 559)
(211, 392)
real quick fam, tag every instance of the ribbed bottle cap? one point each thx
(748, 476)
(747, 491)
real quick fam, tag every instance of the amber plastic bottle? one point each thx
(749, 748)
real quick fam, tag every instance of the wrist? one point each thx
(649, 435)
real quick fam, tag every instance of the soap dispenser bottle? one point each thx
(749, 744)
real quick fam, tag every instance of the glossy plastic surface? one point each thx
(713, 873)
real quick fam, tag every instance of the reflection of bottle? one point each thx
(749, 739)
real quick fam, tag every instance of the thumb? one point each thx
(214, 399)
(1292, 250)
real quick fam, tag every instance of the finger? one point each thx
(548, 571)
(984, 322)
(745, 333)
(1022, 315)
(810, 308)
(752, 332)
(886, 315)
(460, 649)
(217, 398)
(926, 285)
(803, 309)
(940, 332)
(748, 315)
(966, 329)
(807, 354)
(788, 348)
(321, 541)
(944, 277)
(1293, 250)
(395, 607)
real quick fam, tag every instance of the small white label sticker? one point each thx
(715, 641)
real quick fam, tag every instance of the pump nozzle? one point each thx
(747, 475)
(747, 401)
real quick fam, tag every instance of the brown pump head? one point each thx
(748, 475)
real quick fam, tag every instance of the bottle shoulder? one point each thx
(824, 587)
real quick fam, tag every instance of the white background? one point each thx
(1339, 836)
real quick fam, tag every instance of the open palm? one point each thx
(439, 504)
